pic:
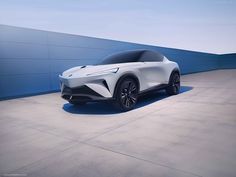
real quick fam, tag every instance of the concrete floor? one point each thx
(191, 134)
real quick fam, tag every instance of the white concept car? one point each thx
(121, 78)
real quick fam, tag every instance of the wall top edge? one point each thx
(184, 50)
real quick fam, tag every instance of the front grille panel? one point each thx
(83, 90)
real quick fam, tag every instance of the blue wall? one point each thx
(227, 61)
(31, 60)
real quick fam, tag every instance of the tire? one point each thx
(173, 87)
(77, 103)
(126, 95)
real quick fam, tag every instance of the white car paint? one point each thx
(149, 74)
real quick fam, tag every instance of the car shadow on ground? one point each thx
(107, 108)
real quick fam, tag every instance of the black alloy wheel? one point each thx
(127, 94)
(174, 84)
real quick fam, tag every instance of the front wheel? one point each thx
(173, 87)
(127, 94)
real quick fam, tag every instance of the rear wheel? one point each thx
(173, 87)
(127, 94)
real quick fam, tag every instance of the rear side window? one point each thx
(124, 57)
(150, 56)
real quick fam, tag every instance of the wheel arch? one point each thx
(175, 70)
(124, 76)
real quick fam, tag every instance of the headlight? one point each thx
(108, 71)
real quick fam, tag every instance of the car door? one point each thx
(153, 70)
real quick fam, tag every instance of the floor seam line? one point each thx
(120, 126)
(39, 160)
(141, 159)
(199, 102)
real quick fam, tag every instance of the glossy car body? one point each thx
(148, 69)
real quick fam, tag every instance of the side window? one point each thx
(150, 56)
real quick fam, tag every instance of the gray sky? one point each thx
(199, 25)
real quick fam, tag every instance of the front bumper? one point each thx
(82, 93)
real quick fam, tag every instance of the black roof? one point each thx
(134, 56)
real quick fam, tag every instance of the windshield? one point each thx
(133, 56)
(124, 57)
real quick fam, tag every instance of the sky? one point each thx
(198, 25)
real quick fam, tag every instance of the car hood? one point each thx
(90, 69)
